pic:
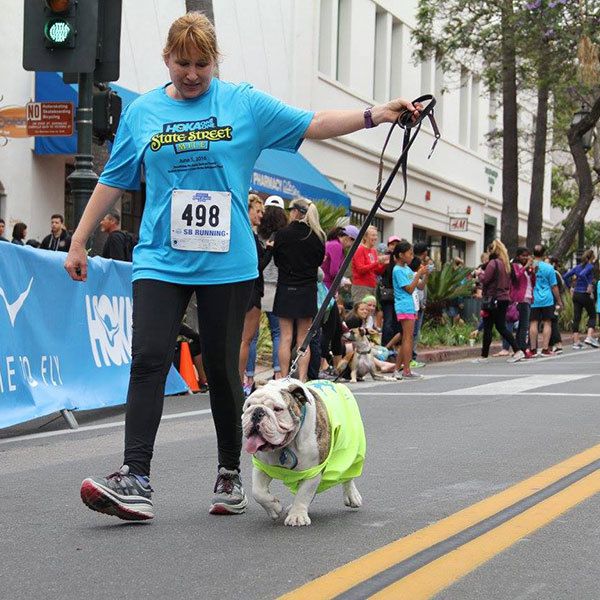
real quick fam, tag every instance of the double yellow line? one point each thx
(442, 572)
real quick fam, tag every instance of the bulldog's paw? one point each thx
(271, 505)
(352, 497)
(353, 380)
(273, 508)
(298, 518)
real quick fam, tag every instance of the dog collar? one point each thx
(286, 452)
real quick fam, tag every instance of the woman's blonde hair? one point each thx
(193, 32)
(587, 257)
(254, 199)
(310, 216)
(369, 229)
(499, 249)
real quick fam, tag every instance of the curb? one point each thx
(447, 353)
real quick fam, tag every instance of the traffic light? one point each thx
(59, 28)
(106, 114)
(60, 35)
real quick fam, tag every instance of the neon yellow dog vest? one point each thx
(347, 447)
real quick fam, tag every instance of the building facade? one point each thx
(317, 54)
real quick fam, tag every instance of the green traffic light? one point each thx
(58, 32)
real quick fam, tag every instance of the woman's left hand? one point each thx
(390, 112)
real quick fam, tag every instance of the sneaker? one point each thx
(120, 495)
(529, 353)
(578, 346)
(415, 364)
(590, 341)
(411, 375)
(327, 375)
(517, 356)
(398, 375)
(548, 352)
(557, 349)
(229, 498)
(203, 388)
(480, 360)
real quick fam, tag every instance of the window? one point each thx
(344, 42)
(383, 59)
(358, 218)
(396, 60)
(475, 91)
(463, 120)
(328, 37)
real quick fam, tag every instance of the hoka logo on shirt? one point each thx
(187, 136)
(109, 326)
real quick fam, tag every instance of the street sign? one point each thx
(50, 118)
(459, 224)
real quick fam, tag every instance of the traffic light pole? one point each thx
(83, 179)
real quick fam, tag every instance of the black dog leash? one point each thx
(406, 122)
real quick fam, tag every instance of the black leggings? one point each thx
(497, 317)
(331, 334)
(158, 308)
(582, 300)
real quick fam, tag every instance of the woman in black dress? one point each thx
(298, 252)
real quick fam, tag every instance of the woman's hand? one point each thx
(423, 270)
(391, 112)
(76, 262)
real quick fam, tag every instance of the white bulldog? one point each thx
(310, 436)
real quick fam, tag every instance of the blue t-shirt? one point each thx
(403, 301)
(545, 278)
(598, 297)
(207, 143)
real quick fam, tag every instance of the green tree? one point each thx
(468, 32)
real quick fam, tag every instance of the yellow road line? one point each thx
(347, 576)
(427, 581)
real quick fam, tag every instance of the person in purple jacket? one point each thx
(495, 283)
(583, 298)
(338, 242)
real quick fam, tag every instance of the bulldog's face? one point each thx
(272, 415)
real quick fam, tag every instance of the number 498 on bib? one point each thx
(200, 220)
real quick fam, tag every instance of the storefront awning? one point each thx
(287, 174)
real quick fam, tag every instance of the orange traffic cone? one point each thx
(186, 367)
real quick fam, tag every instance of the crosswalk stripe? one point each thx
(514, 386)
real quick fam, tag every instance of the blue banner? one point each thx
(63, 344)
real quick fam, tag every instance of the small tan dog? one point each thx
(361, 360)
(310, 436)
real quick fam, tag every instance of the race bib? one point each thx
(200, 220)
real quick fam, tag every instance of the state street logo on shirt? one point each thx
(188, 136)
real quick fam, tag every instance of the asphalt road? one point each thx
(435, 447)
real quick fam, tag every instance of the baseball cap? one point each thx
(275, 201)
(351, 231)
(393, 238)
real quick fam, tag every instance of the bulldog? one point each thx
(310, 436)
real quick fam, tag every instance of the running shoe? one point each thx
(415, 364)
(557, 349)
(517, 356)
(480, 360)
(548, 352)
(411, 376)
(529, 353)
(590, 341)
(229, 498)
(398, 375)
(578, 346)
(120, 494)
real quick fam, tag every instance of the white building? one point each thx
(317, 54)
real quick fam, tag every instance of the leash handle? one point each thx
(409, 124)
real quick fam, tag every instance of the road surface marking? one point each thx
(370, 565)
(514, 386)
